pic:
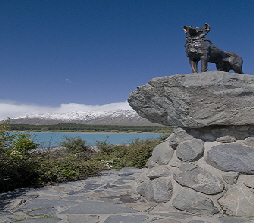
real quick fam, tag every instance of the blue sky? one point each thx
(95, 52)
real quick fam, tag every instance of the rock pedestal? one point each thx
(197, 100)
(206, 166)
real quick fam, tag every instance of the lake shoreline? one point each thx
(112, 132)
(52, 139)
(77, 132)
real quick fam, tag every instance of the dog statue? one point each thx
(200, 48)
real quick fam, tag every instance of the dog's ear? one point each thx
(207, 27)
(185, 29)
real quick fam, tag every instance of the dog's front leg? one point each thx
(194, 65)
(203, 64)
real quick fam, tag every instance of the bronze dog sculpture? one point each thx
(200, 48)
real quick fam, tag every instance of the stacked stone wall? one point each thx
(203, 171)
(206, 166)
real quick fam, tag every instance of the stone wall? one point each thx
(206, 166)
(202, 172)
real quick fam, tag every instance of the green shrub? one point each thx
(104, 147)
(135, 154)
(141, 151)
(5, 136)
(18, 164)
(22, 164)
(60, 166)
(73, 162)
(75, 144)
(17, 171)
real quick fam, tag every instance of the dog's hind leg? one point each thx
(203, 65)
(194, 65)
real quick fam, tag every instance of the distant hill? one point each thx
(119, 117)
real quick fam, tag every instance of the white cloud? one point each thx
(13, 110)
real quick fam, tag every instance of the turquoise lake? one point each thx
(52, 139)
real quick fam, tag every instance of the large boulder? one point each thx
(189, 201)
(158, 190)
(239, 201)
(162, 154)
(190, 150)
(197, 100)
(235, 158)
(198, 179)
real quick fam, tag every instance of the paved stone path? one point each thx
(101, 199)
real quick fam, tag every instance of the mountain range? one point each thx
(118, 117)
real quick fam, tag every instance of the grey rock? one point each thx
(164, 220)
(249, 182)
(44, 203)
(97, 207)
(173, 215)
(229, 157)
(207, 137)
(162, 154)
(158, 190)
(127, 178)
(197, 99)
(226, 139)
(92, 186)
(231, 178)
(44, 211)
(251, 130)
(202, 133)
(79, 218)
(249, 142)
(150, 163)
(229, 219)
(42, 220)
(2, 213)
(238, 201)
(241, 135)
(242, 132)
(192, 202)
(243, 128)
(179, 135)
(126, 219)
(199, 221)
(198, 179)
(222, 132)
(158, 171)
(190, 150)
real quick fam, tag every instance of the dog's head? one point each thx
(196, 31)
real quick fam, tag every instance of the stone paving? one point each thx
(107, 198)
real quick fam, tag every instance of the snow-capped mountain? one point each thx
(118, 117)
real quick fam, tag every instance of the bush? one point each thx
(18, 164)
(75, 144)
(73, 162)
(65, 168)
(22, 164)
(134, 155)
(5, 136)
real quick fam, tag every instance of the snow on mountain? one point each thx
(118, 117)
(83, 115)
